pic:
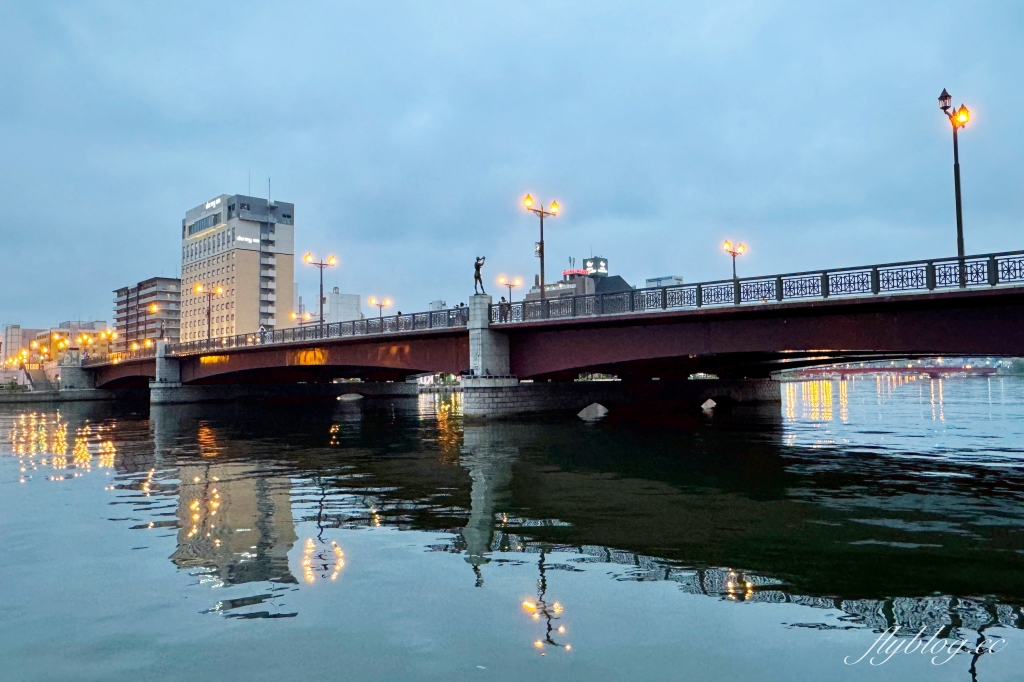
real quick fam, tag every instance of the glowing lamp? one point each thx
(220, 290)
(528, 201)
(502, 279)
(387, 301)
(741, 248)
(554, 208)
(152, 308)
(332, 260)
(308, 258)
(727, 245)
(293, 316)
(373, 301)
(963, 115)
(198, 288)
(945, 100)
(517, 281)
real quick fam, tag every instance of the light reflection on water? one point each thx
(869, 503)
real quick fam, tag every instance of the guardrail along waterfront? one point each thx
(972, 272)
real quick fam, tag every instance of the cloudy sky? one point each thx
(406, 134)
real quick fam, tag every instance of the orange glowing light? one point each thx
(963, 115)
(332, 260)
(308, 258)
(528, 201)
(554, 208)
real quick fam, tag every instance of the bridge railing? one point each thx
(435, 319)
(119, 356)
(911, 277)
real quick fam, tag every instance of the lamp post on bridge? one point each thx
(552, 212)
(958, 118)
(734, 251)
(510, 283)
(381, 304)
(331, 261)
(209, 293)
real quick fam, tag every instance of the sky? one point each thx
(406, 133)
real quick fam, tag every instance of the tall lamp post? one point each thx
(381, 304)
(552, 212)
(958, 118)
(510, 283)
(209, 293)
(734, 251)
(331, 261)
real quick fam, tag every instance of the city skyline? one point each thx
(813, 135)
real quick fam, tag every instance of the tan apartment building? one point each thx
(245, 248)
(146, 312)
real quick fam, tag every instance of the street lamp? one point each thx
(302, 319)
(209, 293)
(380, 304)
(552, 211)
(733, 251)
(510, 283)
(958, 118)
(331, 261)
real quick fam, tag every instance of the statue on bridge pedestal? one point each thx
(477, 280)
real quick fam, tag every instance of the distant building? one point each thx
(592, 278)
(666, 281)
(438, 305)
(244, 245)
(147, 311)
(16, 339)
(91, 337)
(339, 307)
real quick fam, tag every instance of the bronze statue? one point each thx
(477, 281)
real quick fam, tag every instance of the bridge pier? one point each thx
(488, 349)
(166, 388)
(491, 398)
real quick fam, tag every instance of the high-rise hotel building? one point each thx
(245, 245)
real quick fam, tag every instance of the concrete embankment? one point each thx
(73, 395)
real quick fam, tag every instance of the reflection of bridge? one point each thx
(739, 329)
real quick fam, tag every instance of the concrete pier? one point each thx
(176, 393)
(491, 398)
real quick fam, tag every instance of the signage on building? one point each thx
(574, 271)
(211, 204)
(596, 266)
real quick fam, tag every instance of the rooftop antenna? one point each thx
(250, 182)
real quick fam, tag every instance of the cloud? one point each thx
(406, 133)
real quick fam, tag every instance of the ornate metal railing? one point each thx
(972, 272)
(120, 356)
(437, 319)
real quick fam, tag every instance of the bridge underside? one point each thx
(755, 341)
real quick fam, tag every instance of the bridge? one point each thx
(742, 329)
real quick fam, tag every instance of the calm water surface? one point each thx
(389, 540)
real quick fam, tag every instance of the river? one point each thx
(392, 540)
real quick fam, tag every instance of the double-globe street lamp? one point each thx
(209, 293)
(958, 118)
(734, 250)
(510, 283)
(331, 261)
(541, 213)
(380, 303)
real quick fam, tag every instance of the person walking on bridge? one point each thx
(477, 280)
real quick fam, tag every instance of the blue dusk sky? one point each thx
(406, 134)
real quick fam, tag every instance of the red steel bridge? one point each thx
(747, 327)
